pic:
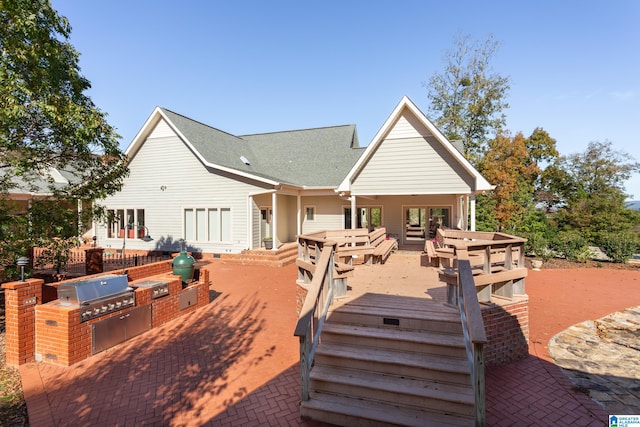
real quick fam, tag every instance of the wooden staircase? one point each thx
(391, 360)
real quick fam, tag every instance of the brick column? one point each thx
(93, 260)
(20, 302)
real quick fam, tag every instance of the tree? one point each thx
(589, 189)
(46, 120)
(510, 166)
(467, 100)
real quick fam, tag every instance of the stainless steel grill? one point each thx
(98, 296)
(158, 289)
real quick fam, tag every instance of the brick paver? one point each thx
(235, 363)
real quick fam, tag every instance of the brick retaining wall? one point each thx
(507, 326)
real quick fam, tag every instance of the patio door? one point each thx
(415, 224)
(438, 218)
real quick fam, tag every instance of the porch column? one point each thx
(274, 220)
(354, 218)
(249, 221)
(299, 215)
(472, 214)
(466, 212)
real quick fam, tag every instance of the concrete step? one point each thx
(346, 411)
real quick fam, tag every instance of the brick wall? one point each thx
(507, 328)
(53, 333)
(21, 299)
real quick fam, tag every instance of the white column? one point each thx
(472, 214)
(274, 220)
(299, 215)
(250, 221)
(466, 213)
(354, 217)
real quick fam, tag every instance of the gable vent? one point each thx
(245, 160)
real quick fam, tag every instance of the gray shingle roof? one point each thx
(319, 157)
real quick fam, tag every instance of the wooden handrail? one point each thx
(474, 335)
(316, 305)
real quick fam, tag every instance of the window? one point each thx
(207, 224)
(310, 213)
(130, 220)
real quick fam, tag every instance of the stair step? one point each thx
(346, 411)
(416, 365)
(394, 318)
(403, 340)
(389, 389)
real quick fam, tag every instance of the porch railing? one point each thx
(474, 335)
(315, 269)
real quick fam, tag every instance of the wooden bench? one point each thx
(359, 246)
(353, 244)
(382, 245)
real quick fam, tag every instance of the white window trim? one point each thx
(315, 213)
(207, 225)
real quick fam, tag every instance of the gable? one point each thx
(411, 160)
(409, 155)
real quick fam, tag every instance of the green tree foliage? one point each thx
(589, 189)
(47, 122)
(619, 247)
(468, 99)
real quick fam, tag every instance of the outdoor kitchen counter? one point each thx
(64, 337)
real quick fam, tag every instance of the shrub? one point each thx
(619, 247)
(538, 245)
(571, 245)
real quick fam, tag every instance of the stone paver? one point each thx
(602, 357)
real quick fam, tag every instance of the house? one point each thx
(225, 193)
(24, 192)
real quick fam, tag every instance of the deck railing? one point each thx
(474, 335)
(315, 269)
(496, 259)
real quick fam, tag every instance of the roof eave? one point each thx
(155, 117)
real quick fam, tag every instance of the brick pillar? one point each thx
(20, 302)
(93, 260)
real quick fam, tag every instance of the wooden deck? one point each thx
(401, 275)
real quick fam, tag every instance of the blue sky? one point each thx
(258, 66)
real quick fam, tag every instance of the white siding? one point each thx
(411, 161)
(161, 130)
(165, 178)
(328, 214)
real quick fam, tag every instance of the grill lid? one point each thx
(84, 291)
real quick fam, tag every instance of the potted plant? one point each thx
(268, 242)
